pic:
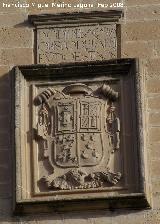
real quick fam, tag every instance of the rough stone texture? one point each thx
(143, 13)
(154, 119)
(153, 86)
(146, 28)
(154, 150)
(133, 31)
(154, 103)
(68, 44)
(152, 66)
(14, 56)
(19, 38)
(13, 20)
(137, 49)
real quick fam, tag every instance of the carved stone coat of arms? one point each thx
(79, 130)
(79, 137)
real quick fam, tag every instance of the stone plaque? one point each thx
(80, 43)
(76, 37)
(78, 137)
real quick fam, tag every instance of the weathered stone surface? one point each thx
(154, 103)
(143, 13)
(15, 38)
(134, 31)
(156, 49)
(68, 132)
(153, 86)
(154, 134)
(16, 56)
(12, 20)
(154, 119)
(155, 169)
(76, 43)
(136, 49)
(155, 206)
(156, 185)
(79, 37)
(153, 67)
(154, 150)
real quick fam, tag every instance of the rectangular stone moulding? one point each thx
(79, 137)
(76, 37)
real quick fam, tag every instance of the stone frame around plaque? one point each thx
(109, 171)
(80, 36)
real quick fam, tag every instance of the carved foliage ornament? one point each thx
(79, 129)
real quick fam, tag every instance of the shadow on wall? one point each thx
(6, 150)
(25, 23)
(87, 217)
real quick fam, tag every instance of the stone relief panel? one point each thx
(79, 130)
(79, 137)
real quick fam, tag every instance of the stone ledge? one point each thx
(76, 17)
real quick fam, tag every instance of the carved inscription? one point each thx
(80, 43)
(79, 130)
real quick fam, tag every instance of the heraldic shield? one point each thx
(79, 130)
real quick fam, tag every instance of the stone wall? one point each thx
(140, 38)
